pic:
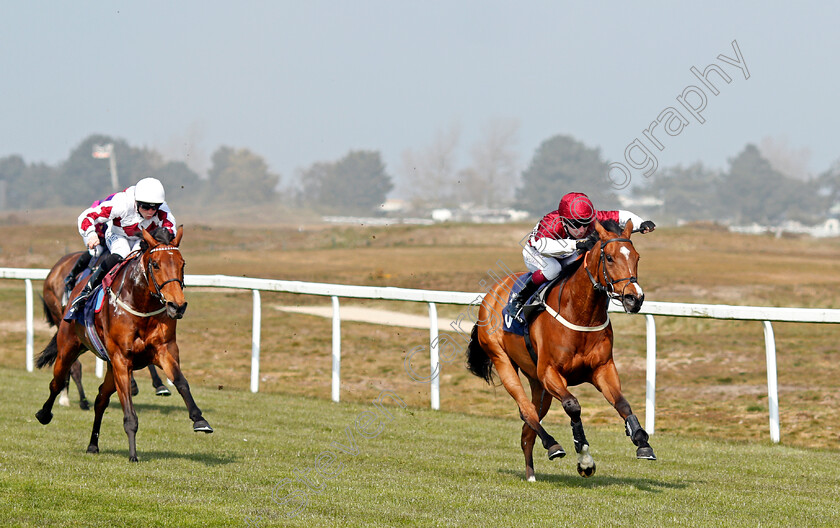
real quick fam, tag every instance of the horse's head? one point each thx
(164, 267)
(618, 262)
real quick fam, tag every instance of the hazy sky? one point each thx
(299, 82)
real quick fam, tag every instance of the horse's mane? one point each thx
(612, 226)
(162, 235)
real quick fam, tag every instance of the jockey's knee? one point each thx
(551, 269)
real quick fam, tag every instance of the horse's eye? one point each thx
(155, 265)
(609, 258)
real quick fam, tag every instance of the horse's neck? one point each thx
(579, 297)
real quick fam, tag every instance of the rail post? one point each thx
(255, 343)
(650, 383)
(772, 384)
(336, 349)
(434, 357)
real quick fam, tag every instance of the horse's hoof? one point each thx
(201, 426)
(93, 450)
(44, 416)
(132, 459)
(586, 472)
(84, 405)
(556, 451)
(645, 453)
(162, 391)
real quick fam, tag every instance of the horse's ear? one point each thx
(600, 229)
(628, 229)
(149, 238)
(177, 240)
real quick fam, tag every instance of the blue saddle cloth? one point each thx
(511, 324)
(85, 317)
(569, 265)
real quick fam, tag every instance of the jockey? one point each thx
(126, 213)
(559, 234)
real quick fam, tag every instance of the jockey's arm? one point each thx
(167, 219)
(624, 216)
(554, 247)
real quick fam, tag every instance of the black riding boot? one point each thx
(79, 302)
(70, 280)
(519, 299)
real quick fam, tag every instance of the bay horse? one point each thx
(573, 341)
(137, 326)
(54, 302)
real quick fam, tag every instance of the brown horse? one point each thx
(573, 341)
(54, 305)
(137, 326)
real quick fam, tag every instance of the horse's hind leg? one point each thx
(67, 351)
(76, 374)
(556, 385)
(542, 400)
(157, 383)
(99, 405)
(173, 371)
(527, 410)
(606, 380)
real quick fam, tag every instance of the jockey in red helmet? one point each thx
(559, 234)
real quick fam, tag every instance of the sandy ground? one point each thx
(368, 315)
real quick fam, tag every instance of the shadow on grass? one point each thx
(576, 481)
(208, 459)
(177, 406)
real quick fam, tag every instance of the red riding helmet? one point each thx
(576, 207)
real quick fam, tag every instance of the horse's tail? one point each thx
(478, 362)
(48, 355)
(48, 314)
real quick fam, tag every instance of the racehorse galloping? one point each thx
(54, 305)
(573, 345)
(137, 326)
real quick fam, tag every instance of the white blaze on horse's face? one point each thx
(626, 252)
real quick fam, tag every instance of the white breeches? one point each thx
(121, 245)
(549, 266)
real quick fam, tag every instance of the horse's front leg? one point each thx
(605, 379)
(556, 385)
(166, 359)
(122, 379)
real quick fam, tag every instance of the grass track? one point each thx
(424, 468)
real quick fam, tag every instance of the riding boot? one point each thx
(518, 300)
(78, 303)
(70, 280)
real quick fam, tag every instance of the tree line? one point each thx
(752, 189)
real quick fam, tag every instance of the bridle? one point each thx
(150, 277)
(608, 286)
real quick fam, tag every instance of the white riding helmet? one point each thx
(149, 190)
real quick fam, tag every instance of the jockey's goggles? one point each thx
(148, 206)
(576, 224)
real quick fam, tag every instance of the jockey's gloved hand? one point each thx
(646, 227)
(587, 243)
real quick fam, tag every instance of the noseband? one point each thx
(608, 287)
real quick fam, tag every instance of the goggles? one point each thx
(148, 206)
(576, 224)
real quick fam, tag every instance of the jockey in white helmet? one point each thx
(126, 214)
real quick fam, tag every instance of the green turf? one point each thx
(418, 468)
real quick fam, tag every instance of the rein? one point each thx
(150, 279)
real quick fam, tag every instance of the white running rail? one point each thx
(650, 308)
